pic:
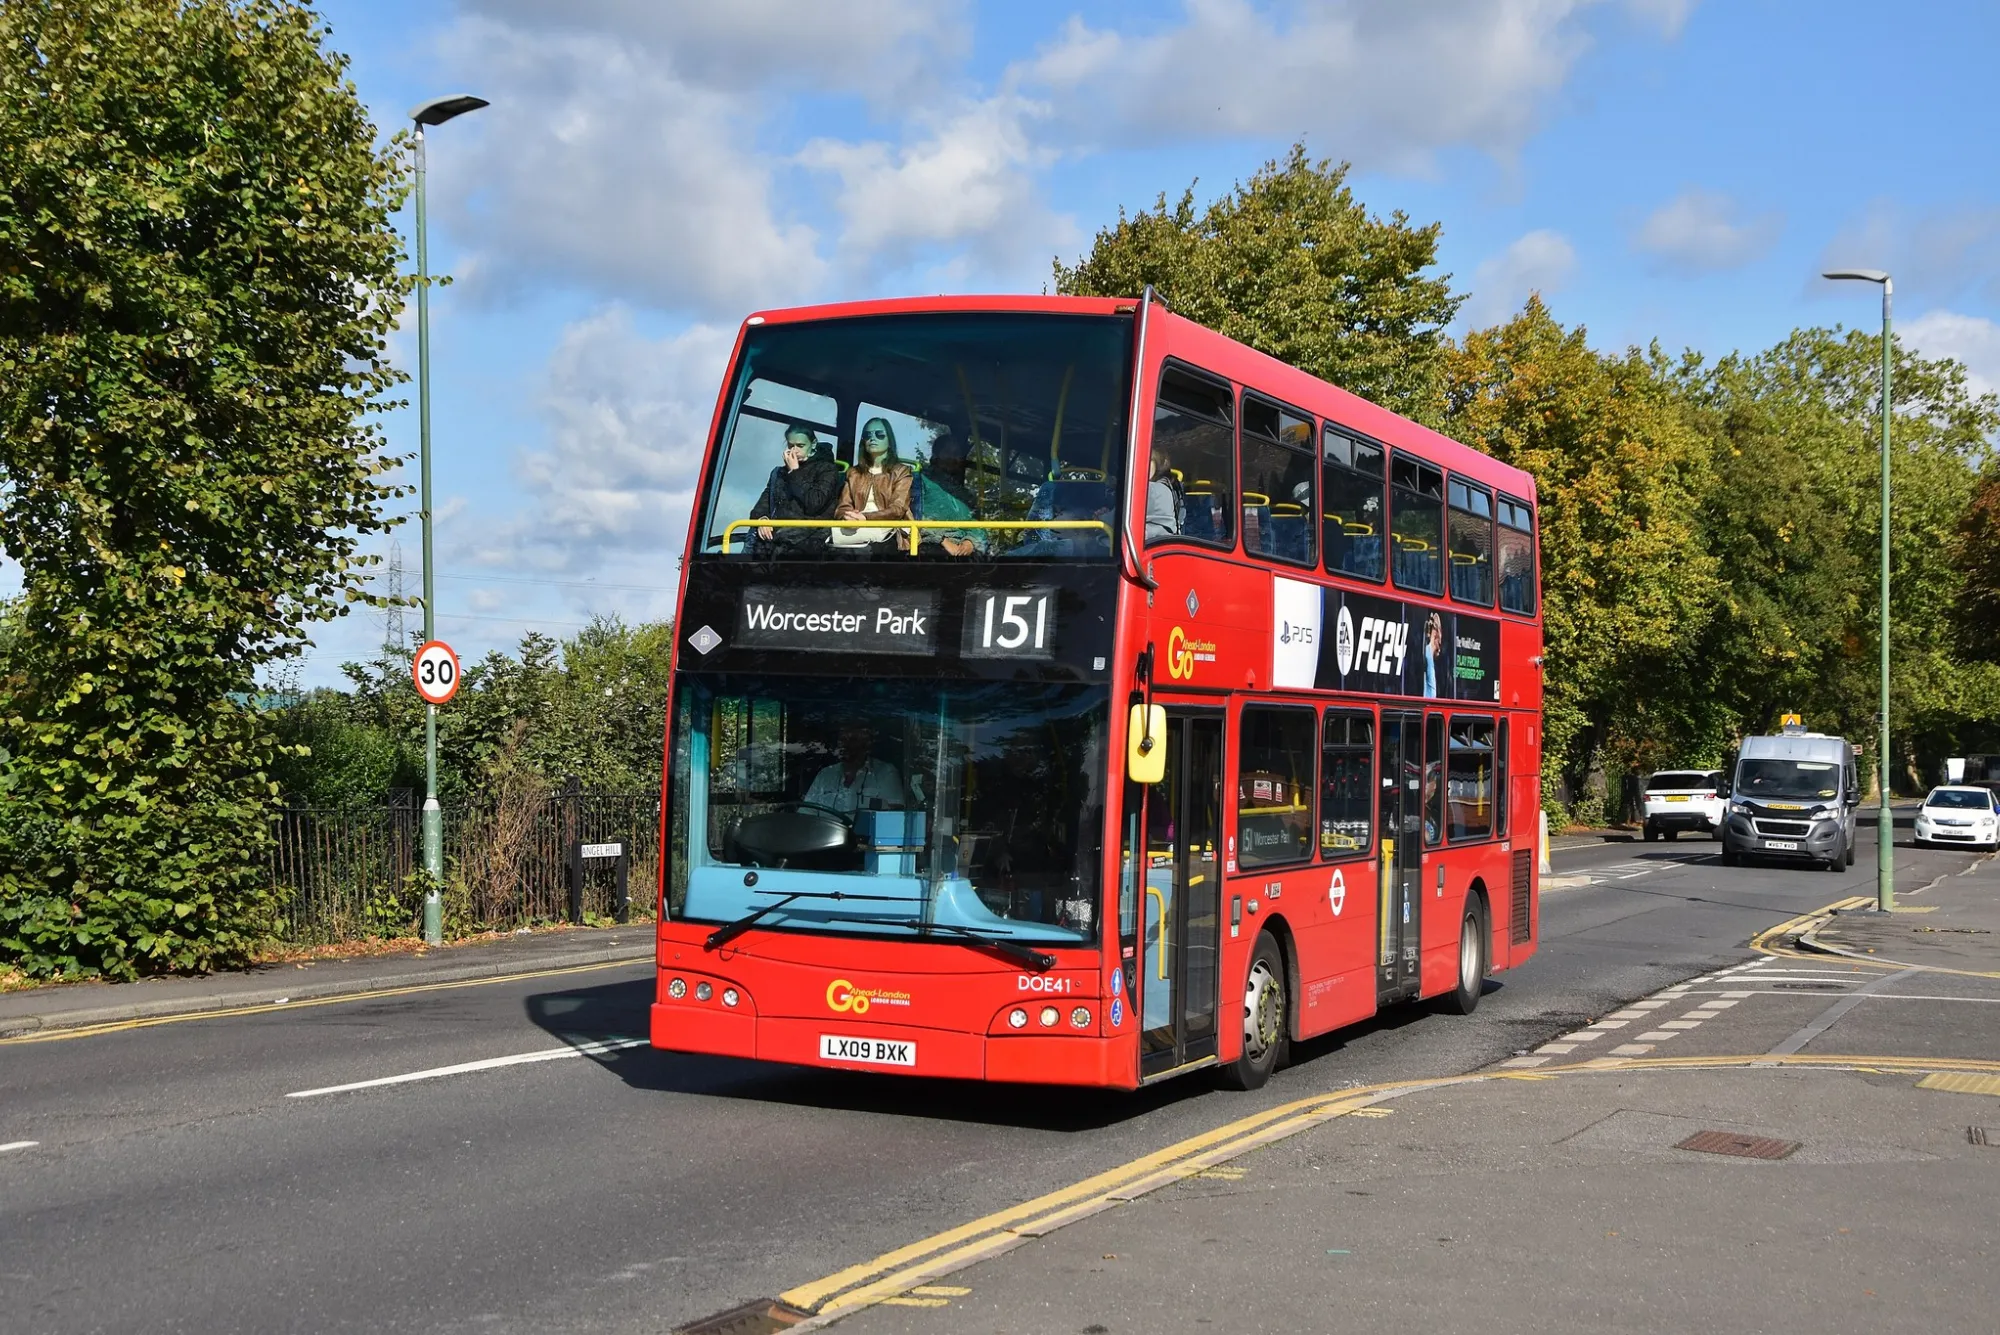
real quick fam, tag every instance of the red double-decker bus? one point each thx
(1066, 693)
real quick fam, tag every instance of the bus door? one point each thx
(1399, 898)
(1183, 897)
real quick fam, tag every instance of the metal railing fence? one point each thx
(343, 874)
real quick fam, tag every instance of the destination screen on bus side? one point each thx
(993, 420)
(873, 807)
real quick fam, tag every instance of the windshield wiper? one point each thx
(1014, 950)
(728, 932)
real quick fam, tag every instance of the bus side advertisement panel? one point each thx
(1378, 646)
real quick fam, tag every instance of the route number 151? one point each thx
(1010, 623)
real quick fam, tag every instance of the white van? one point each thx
(1793, 798)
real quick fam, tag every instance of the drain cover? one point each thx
(1743, 1147)
(764, 1316)
(1979, 1135)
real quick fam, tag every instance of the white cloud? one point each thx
(968, 182)
(1699, 231)
(1540, 262)
(1969, 339)
(597, 166)
(627, 419)
(868, 46)
(1383, 83)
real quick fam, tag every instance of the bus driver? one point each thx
(857, 779)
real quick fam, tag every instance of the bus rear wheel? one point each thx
(1266, 1018)
(1464, 999)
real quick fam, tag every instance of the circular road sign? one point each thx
(435, 670)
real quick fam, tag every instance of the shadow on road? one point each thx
(607, 1012)
(610, 1011)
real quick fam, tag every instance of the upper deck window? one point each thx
(986, 422)
(1192, 494)
(1517, 556)
(1357, 520)
(1469, 526)
(1277, 482)
(1416, 531)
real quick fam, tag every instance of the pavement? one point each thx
(505, 1153)
(1796, 1140)
(87, 1005)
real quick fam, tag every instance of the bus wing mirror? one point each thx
(1146, 744)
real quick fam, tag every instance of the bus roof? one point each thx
(1213, 352)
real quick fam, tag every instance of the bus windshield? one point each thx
(1798, 780)
(979, 425)
(876, 807)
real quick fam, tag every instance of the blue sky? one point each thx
(650, 172)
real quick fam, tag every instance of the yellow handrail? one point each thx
(1155, 893)
(913, 525)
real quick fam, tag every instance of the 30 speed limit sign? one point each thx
(436, 672)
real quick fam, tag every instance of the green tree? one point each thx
(1796, 517)
(1620, 472)
(197, 274)
(1293, 265)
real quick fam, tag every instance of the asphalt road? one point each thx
(174, 1185)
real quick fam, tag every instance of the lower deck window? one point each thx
(1274, 784)
(1469, 778)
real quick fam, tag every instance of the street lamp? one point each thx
(434, 112)
(1885, 888)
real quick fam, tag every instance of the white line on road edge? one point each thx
(491, 1063)
(19, 1145)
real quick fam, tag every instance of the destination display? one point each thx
(852, 620)
(1336, 640)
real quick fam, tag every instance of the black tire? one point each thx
(1730, 857)
(1838, 862)
(1267, 1020)
(1673, 836)
(1474, 945)
(1651, 833)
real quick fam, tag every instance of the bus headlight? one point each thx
(1080, 1017)
(677, 989)
(703, 991)
(1017, 1018)
(1049, 1017)
(729, 997)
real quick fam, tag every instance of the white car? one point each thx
(1684, 799)
(1959, 814)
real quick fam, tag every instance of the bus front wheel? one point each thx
(1266, 1023)
(1471, 961)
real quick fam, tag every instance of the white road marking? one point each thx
(1656, 1036)
(1582, 1036)
(1681, 1024)
(1739, 995)
(1524, 1061)
(1610, 1024)
(1629, 1013)
(1557, 1047)
(1650, 1005)
(1714, 1006)
(491, 1063)
(1632, 1049)
(19, 1145)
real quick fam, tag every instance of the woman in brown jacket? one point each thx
(878, 485)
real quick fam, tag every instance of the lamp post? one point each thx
(1885, 885)
(435, 112)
